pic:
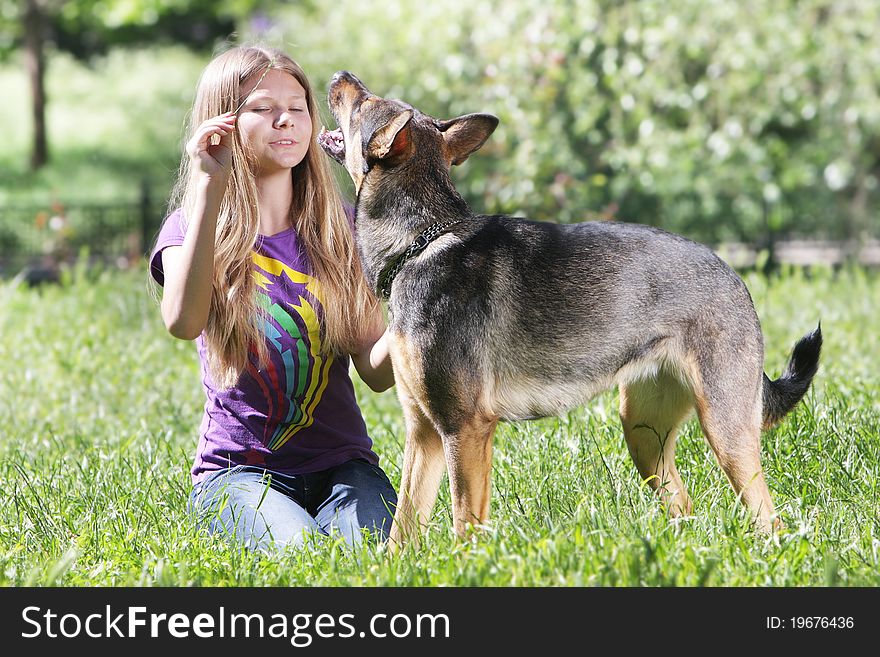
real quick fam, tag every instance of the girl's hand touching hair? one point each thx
(209, 146)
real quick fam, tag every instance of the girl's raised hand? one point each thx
(209, 146)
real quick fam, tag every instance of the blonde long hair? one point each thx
(234, 327)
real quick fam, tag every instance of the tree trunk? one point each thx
(35, 64)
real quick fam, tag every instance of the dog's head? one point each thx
(374, 131)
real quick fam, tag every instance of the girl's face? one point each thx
(274, 122)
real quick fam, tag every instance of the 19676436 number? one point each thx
(810, 623)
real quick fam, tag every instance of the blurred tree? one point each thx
(34, 29)
(86, 28)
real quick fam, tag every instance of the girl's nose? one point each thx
(284, 120)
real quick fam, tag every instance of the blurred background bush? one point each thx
(728, 121)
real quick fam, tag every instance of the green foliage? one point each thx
(723, 121)
(88, 27)
(99, 408)
(112, 124)
(720, 120)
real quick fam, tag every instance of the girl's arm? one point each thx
(189, 268)
(373, 364)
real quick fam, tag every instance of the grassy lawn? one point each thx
(99, 409)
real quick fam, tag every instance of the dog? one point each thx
(498, 318)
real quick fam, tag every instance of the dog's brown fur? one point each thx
(500, 318)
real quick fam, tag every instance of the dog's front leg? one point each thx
(423, 467)
(423, 463)
(469, 458)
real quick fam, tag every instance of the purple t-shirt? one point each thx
(297, 414)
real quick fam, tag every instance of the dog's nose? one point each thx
(346, 76)
(345, 82)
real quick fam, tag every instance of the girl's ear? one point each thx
(465, 134)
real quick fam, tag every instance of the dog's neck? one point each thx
(390, 215)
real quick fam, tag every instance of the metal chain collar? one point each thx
(420, 244)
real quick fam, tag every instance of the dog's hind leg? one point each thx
(651, 411)
(729, 406)
(469, 457)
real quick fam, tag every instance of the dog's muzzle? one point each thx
(333, 144)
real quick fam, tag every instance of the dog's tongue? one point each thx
(333, 143)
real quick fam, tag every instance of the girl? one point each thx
(258, 265)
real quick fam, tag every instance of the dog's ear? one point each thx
(466, 134)
(392, 140)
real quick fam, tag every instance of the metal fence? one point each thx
(36, 240)
(42, 237)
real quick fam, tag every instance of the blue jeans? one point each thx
(262, 509)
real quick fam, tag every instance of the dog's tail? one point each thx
(781, 395)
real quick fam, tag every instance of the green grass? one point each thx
(99, 409)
